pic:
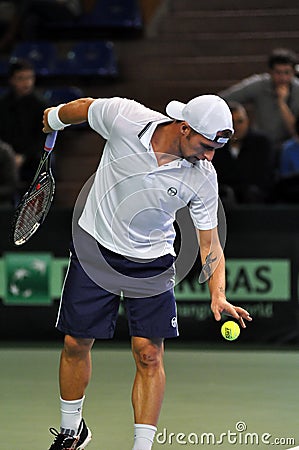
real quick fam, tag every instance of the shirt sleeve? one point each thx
(103, 112)
(204, 206)
(101, 115)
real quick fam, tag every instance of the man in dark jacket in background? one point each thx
(8, 175)
(245, 164)
(21, 114)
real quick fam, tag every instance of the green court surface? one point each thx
(212, 395)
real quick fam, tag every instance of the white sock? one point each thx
(143, 436)
(71, 415)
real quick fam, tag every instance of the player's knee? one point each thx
(149, 357)
(77, 347)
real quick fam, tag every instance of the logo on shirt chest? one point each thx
(172, 191)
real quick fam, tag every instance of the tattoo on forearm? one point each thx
(207, 267)
(221, 289)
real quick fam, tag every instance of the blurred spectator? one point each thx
(287, 188)
(21, 114)
(289, 162)
(274, 97)
(21, 18)
(8, 28)
(8, 175)
(245, 164)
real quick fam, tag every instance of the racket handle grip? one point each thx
(50, 141)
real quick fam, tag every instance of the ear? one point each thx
(185, 129)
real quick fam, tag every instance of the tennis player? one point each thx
(152, 165)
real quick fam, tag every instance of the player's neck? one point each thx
(164, 143)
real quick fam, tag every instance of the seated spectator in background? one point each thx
(274, 97)
(287, 188)
(21, 19)
(245, 164)
(289, 162)
(8, 175)
(8, 25)
(21, 115)
(39, 12)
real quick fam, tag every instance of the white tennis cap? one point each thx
(208, 115)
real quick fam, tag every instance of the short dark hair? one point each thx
(17, 64)
(282, 56)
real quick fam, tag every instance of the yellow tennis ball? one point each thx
(230, 330)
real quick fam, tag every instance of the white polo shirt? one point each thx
(132, 203)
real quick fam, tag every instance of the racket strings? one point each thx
(33, 210)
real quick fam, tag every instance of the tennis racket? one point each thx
(35, 204)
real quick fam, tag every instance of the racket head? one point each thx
(33, 207)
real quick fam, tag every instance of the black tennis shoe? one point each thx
(67, 442)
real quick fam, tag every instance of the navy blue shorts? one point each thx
(90, 302)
